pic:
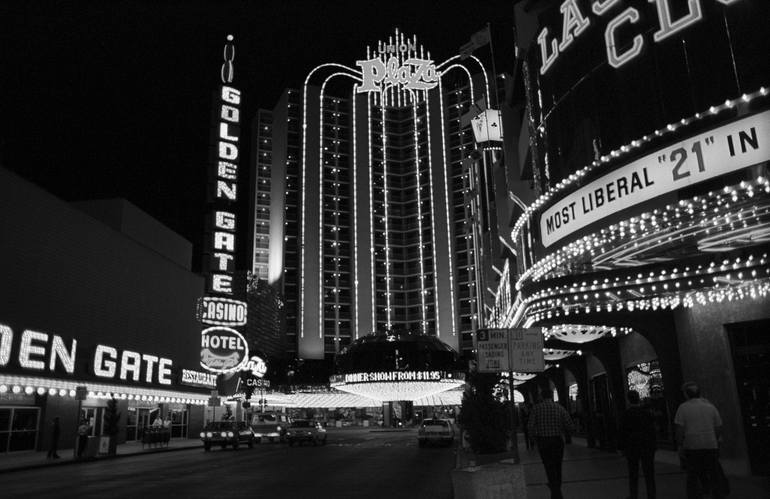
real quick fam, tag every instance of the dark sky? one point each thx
(104, 99)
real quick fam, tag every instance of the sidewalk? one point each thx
(16, 461)
(590, 473)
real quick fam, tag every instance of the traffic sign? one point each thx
(81, 392)
(516, 349)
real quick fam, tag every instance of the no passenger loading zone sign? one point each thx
(503, 350)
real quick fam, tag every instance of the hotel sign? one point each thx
(223, 349)
(711, 154)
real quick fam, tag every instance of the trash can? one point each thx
(92, 449)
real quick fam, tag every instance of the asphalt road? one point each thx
(357, 465)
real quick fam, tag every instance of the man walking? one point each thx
(698, 431)
(548, 424)
(637, 441)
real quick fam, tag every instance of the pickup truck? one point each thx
(435, 431)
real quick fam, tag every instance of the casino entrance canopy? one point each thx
(397, 367)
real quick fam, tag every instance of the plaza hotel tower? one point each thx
(368, 214)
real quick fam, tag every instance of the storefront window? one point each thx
(18, 428)
(178, 423)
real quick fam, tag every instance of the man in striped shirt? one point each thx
(548, 424)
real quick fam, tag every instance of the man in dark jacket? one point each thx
(637, 441)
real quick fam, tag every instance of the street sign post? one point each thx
(509, 350)
(516, 349)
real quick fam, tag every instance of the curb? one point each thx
(52, 463)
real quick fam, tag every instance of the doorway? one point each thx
(751, 358)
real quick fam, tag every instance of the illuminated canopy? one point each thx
(582, 333)
(396, 386)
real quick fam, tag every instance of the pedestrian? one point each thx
(549, 423)
(83, 431)
(526, 410)
(637, 442)
(698, 432)
(55, 432)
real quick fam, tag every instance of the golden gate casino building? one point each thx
(646, 250)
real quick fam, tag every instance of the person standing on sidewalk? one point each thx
(698, 431)
(637, 441)
(83, 431)
(55, 433)
(549, 423)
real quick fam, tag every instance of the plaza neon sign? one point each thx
(401, 69)
(412, 74)
(575, 23)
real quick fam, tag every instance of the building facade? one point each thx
(97, 297)
(645, 256)
(376, 217)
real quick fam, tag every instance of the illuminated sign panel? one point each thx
(41, 352)
(488, 126)
(722, 150)
(223, 349)
(576, 21)
(375, 377)
(399, 65)
(221, 311)
(197, 378)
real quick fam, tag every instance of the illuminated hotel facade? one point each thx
(645, 256)
(367, 208)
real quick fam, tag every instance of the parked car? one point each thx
(305, 430)
(435, 431)
(226, 433)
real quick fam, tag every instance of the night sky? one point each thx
(102, 99)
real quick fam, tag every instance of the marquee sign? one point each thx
(376, 377)
(717, 152)
(623, 19)
(37, 351)
(397, 66)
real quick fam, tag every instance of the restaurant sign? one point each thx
(197, 378)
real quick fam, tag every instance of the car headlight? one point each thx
(203, 435)
(278, 428)
(209, 434)
(224, 434)
(230, 434)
